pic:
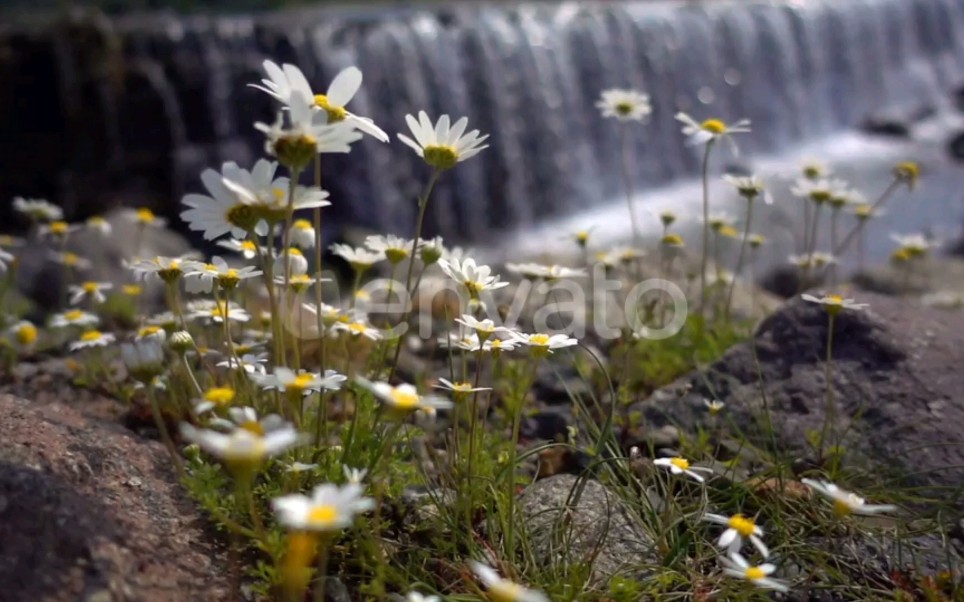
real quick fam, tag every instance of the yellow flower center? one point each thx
(221, 396)
(301, 382)
(462, 387)
(247, 245)
(834, 300)
(59, 228)
(220, 310)
(73, 315)
(742, 525)
(91, 335)
(357, 328)
(473, 287)
(673, 240)
(714, 126)
(820, 196)
(321, 516)
(396, 254)
(335, 113)
(907, 171)
(755, 573)
(505, 591)
(26, 334)
(681, 463)
(96, 220)
(496, 343)
(148, 331)
(302, 224)
(132, 290)
(812, 172)
(440, 156)
(90, 287)
(295, 152)
(71, 259)
(295, 252)
(244, 217)
(624, 108)
(542, 340)
(728, 231)
(842, 508)
(145, 215)
(404, 400)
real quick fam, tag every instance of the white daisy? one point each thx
(92, 338)
(217, 312)
(23, 334)
(714, 407)
(711, 130)
(57, 230)
(74, 317)
(300, 133)
(748, 187)
(459, 388)
(544, 343)
(813, 169)
(244, 445)
(737, 566)
(215, 397)
(302, 234)
(394, 248)
(144, 359)
(329, 508)
(70, 260)
(301, 383)
(834, 303)
(865, 211)
(624, 105)
(845, 502)
(251, 363)
(5, 260)
(678, 465)
(536, 271)
(200, 277)
(166, 269)
(496, 345)
(739, 528)
(914, 245)
(818, 191)
(288, 79)
(357, 328)
(485, 328)
(38, 209)
(417, 597)
(442, 145)
(142, 216)
(99, 224)
(246, 248)
(360, 258)
(88, 290)
(475, 278)
(297, 264)
(503, 590)
(354, 475)
(404, 399)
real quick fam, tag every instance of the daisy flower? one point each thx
(818, 260)
(23, 334)
(70, 260)
(835, 303)
(245, 446)
(286, 80)
(297, 467)
(300, 133)
(672, 240)
(417, 597)
(354, 475)
(38, 209)
(739, 528)
(297, 264)
(915, 245)
(813, 169)
(865, 211)
(329, 508)
(166, 269)
(748, 187)
(57, 230)
(711, 130)
(678, 465)
(246, 248)
(302, 234)
(475, 278)
(5, 259)
(359, 258)
(144, 359)
(431, 250)
(74, 317)
(544, 343)
(459, 388)
(357, 328)
(442, 145)
(92, 338)
(737, 566)
(535, 271)
(907, 172)
(818, 191)
(714, 407)
(301, 383)
(251, 363)
(404, 399)
(503, 590)
(624, 105)
(496, 345)
(88, 290)
(845, 502)
(143, 217)
(217, 312)
(200, 277)
(99, 224)
(485, 328)
(394, 249)
(215, 397)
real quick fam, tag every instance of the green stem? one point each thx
(706, 227)
(628, 183)
(828, 374)
(162, 429)
(322, 567)
(318, 252)
(861, 223)
(739, 261)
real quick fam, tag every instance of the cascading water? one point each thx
(173, 97)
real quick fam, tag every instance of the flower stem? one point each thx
(831, 410)
(839, 249)
(739, 261)
(628, 183)
(706, 227)
(162, 429)
(318, 252)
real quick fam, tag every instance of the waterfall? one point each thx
(526, 74)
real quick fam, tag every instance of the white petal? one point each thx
(297, 81)
(344, 86)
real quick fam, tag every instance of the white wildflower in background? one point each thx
(359, 258)
(485, 328)
(297, 264)
(303, 382)
(246, 248)
(907, 172)
(302, 234)
(417, 597)
(813, 169)
(144, 359)
(251, 363)
(143, 216)
(73, 317)
(678, 465)
(459, 388)
(70, 260)
(845, 502)
(475, 278)
(354, 475)
(503, 590)
(818, 191)
(737, 566)
(166, 269)
(99, 224)
(284, 81)
(748, 187)
(300, 133)
(5, 260)
(200, 277)
(357, 328)
(536, 271)
(624, 105)
(834, 303)
(711, 130)
(739, 528)
(92, 338)
(215, 397)
(57, 230)
(394, 248)
(93, 291)
(544, 343)
(714, 407)
(405, 398)
(329, 508)
(217, 312)
(246, 445)
(23, 334)
(38, 209)
(915, 245)
(442, 145)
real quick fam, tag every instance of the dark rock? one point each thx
(575, 521)
(551, 426)
(896, 380)
(88, 511)
(336, 590)
(784, 281)
(955, 146)
(897, 121)
(936, 274)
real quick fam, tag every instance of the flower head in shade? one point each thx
(88, 290)
(748, 187)
(394, 248)
(246, 248)
(300, 133)
(678, 465)
(475, 278)
(624, 105)
(737, 566)
(404, 399)
(443, 144)
(38, 209)
(144, 359)
(845, 502)
(503, 590)
(329, 508)
(98, 224)
(70, 260)
(354, 475)
(711, 130)
(834, 304)
(818, 191)
(914, 245)
(92, 338)
(284, 81)
(144, 217)
(58, 230)
(738, 528)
